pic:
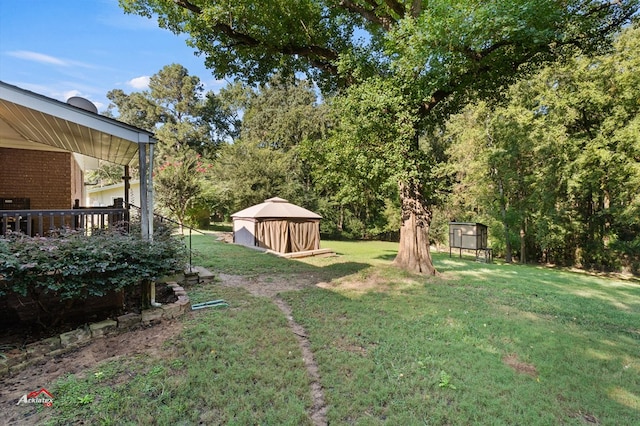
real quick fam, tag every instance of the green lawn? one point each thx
(480, 344)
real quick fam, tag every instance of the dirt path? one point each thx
(270, 288)
(319, 409)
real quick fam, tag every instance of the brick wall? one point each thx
(77, 182)
(43, 176)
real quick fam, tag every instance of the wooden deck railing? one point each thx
(39, 222)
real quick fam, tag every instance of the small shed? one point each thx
(277, 225)
(468, 236)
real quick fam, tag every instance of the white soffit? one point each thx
(32, 121)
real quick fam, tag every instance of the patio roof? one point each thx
(32, 121)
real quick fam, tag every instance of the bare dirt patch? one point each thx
(521, 367)
(148, 341)
(367, 284)
(344, 344)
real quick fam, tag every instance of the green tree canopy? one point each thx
(558, 164)
(190, 126)
(414, 61)
(281, 119)
(176, 108)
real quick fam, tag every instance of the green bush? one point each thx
(73, 267)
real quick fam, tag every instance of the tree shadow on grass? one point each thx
(338, 270)
(388, 255)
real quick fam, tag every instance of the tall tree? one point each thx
(428, 57)
(175, 108)
(189, 124)
(561, 158)
(596, 102)
(268, 160)
(179, 180)
(283, 113)
(494, 152)
(223, 111)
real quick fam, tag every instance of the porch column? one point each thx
(150, 189)
(127, 186)
(146, 186)
(144, 212)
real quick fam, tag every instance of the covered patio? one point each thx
(33, 126)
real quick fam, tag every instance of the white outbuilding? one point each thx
(277, 225)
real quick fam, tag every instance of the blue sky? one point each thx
(64, 48)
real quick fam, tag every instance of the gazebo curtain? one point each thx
(286, 236)
(273, 234)
(304, 235)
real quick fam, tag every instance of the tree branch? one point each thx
(438, 96)
(416, 8)
(397, 7)
(385, 21)
(320, 57)
(186, 5)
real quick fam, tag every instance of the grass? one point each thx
(486, 344)
(233, 366)
(480, 344)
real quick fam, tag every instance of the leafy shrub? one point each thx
(73, 267)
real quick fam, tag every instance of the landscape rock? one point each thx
(75, 337)
(151, 316)
(99, 329)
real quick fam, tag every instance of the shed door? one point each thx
(455, 237)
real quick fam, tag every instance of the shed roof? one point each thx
(276, 208)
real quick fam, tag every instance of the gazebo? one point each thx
(277, 225)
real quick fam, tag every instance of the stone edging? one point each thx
(40, 351)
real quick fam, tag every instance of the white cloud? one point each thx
(38, 57)
(48, 59)
(139, 83)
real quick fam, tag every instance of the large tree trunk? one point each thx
(413, 253)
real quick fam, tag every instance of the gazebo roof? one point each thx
(32, 121)
(276, 208)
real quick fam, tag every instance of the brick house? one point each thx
(48, 179)
(46, 146)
